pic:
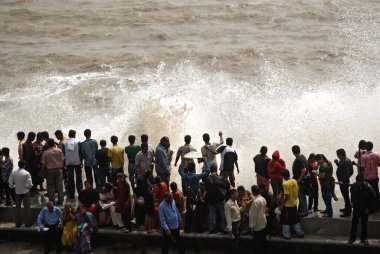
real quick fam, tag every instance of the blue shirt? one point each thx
(50, 218)
(88, 150)
(162, 161)
(192, 179)
(169, 215)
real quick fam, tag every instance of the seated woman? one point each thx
(123, 205)
(87, 225)
(89, 197)
(107, 200)
(69, 224)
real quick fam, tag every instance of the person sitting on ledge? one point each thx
(89, 197)
(48, 223)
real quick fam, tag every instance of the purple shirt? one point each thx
(370, 162)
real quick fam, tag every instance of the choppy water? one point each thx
(277, 72)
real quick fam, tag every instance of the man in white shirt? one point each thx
(232, 213)
(21, 181)
(257, 218)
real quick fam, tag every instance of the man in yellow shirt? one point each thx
(289, 213)
(116, 155)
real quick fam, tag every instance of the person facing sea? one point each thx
(209, 149)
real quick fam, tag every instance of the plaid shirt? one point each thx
(7, 170)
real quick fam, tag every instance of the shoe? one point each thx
(326, 216)
(18, 225)
(286, 238)
(304, 215)
(323, 211)
(299, 236)
(342, 210)
(365, 242)
(29, 225)
(351, 241)
(213, 232)
(126, 230)
(345, 215)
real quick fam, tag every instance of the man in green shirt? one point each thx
(131, 152)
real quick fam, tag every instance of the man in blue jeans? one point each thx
(216, 190)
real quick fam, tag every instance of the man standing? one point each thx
(289, 214)
(21, 141)
(170, 219)
(261, 161)
(88, 151)
(6, 172)
(131, 152)
(300, 166)
(144, 160)
(50, 219)
(209, 150)
(232, 214)
(62, 139)
(371, 162)
(103, 164)
(229, 160)
(28, 157)
(21, 181)
(216, 192)
(362, 196)
(183, 150)
(257, 217)
(343, 174)
(116, 155)
(52, 163)
(73, 159)
(162, 160)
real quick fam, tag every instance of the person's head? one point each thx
(120, 177)
(58, 134)
(285, 174)
(131, 139)
(108, 186)
(21, 163)
(72, 133)
(320, 158)
(296, 150)
(369, 146)
(165, 142)
(341, 153)
(40, 137)
(360, 179)
(144, 147)
(229, 141)
(191, 167)
(114, 140)
(361, 144)
(148, 174)
(5, 151)
(311, 157)
(45, 135)
(144, 138)
(20, 135)
(213, 168)
(233, 193)
(51, 142)
(187, 139)
(256, 190)
(173, 186)
(206, 137)
(67, 206)
(87, 133)
(50, 206)
(87, 185)
(168, 197)
(31, 136)
(262, 188)
(103, 143)
(263, 150)
(241, 190)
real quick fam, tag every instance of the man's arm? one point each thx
(161, 215)
(29, 183)
(11, 182)
(177, 157)
(303, 173)
(205, 171)
(40, 218)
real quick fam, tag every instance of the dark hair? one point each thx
(263, 150)
(144, 145)
(261, 186)
(173, 186)
(255, 189)
(5, 151)
(87, 133)
(58, 133)
(131, 139)
(240, 188)
(187, 139)
(157, 180)
(31, 136)
(108, 186)
(72, 133)
(191, 167)
(296, 149)
(206, 137)
(50, 142)
(40, 136)
(144, 138)
(321, 157)
(359, 178)
(87, 181)
(311, 156)
(213, 168)
(341, 152)
(102, 142)
(369, 146)
(164, 139)
(229, 141)
(285, 173)
(114, 139)
(362, 144)
(45, 134)
(21, 163)
(21, 135)
(231, 192)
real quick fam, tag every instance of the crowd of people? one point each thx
(144, 196)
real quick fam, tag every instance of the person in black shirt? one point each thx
(343, 173)
(261, 161)
(89, 197)
(103, 164)
(299, 171)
